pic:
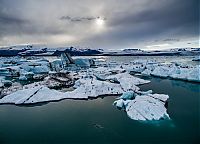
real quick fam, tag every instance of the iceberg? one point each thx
(161, 71)
(56, 65)
(84, 63)
(127, 95)
(36, 66)
(171, 70)
(188, 74)
(85, 87)
(66, 60)
(119, 104)
(144, 107)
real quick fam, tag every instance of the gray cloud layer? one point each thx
(130, 23)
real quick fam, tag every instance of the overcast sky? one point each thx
(109, 24)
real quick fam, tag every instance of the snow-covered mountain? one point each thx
(38, 50)
(170, 52)
(41, 50)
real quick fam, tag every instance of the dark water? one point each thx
(97, 121)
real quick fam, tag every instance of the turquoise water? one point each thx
(98, 121)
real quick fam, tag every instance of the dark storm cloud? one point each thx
(127, 23)
(4, 19)
(168, 13)
(178, 15)
(10, 24)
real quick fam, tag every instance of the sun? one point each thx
(100, 22)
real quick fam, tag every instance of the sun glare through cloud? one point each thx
(100, 22)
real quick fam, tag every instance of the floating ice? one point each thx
(85, 63)
(145, 107)
(86, 87)
(127, 95)
(171, 70)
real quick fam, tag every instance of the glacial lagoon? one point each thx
(98, 121)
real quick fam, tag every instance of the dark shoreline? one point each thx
(161, 54)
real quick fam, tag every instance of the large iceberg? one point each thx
(143, 107)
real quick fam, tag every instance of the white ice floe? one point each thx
(33, 95)
(91, 87)
(86, 87)
(144, 107)
(20, 96)
(161, 71)
(144, 92)
(188, 74)
(128, 82)
(171, 70)
(44, 94)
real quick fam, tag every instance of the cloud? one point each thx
(171, 40)
(4, 19)
(159, 45)
(128, 24)
(79, 19)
